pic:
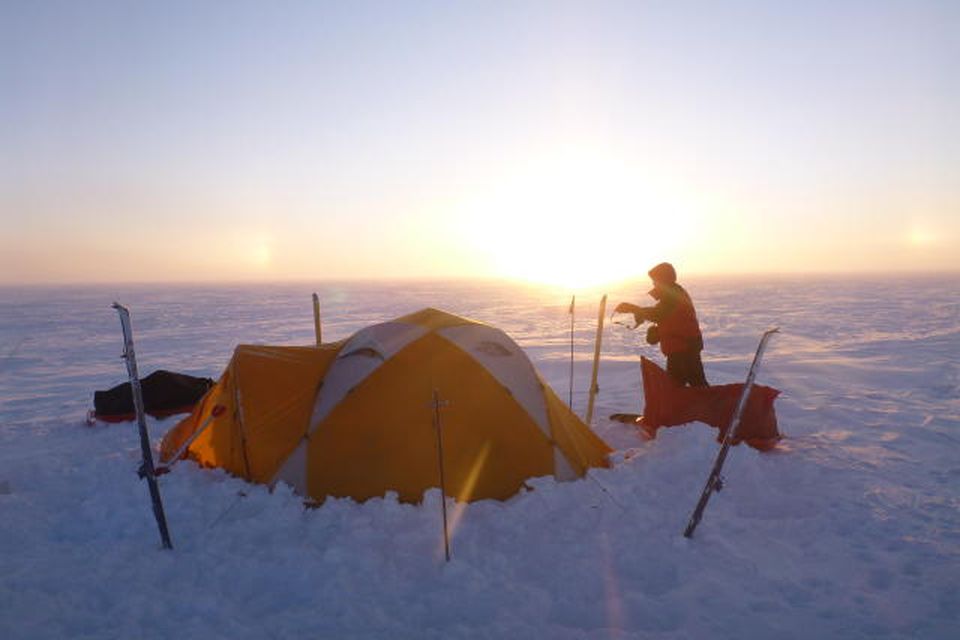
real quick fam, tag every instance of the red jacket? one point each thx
(679, 327)
(677, 324)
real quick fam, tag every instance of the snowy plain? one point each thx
(851, 529)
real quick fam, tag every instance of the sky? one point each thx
(568, 143)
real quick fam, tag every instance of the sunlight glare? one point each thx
(259, 252)
(466, 492)
(921, 237)
(578, 221)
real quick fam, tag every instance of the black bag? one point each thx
(164, 392)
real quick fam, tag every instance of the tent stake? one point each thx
(316, 317)
(438, 426)
(594, 389)
(146, 468)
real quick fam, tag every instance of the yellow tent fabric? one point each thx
(263, 401)
(358, 418)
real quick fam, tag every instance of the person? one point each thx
(675, 326)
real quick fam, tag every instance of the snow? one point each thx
(850, 530)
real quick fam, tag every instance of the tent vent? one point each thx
(495, 349)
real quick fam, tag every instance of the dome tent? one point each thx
(356, 418)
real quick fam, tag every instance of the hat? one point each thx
(663, 272)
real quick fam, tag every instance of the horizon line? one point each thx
(301, 280)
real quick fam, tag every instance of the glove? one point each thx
(626, 307)
(653, 334)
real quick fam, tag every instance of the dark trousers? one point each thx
(686, 368)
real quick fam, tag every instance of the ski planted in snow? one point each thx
(146, 468)
(594, 389)
(573, 304)
(715, 480)
(316, 319)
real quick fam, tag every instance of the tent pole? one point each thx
(438, 426)
(241, 428)
(175, 458)
(316, 317)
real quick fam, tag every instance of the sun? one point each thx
(261, 255)
(575, 222)
(920, 236)
(255, 251)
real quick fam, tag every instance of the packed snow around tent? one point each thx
(850, 528)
